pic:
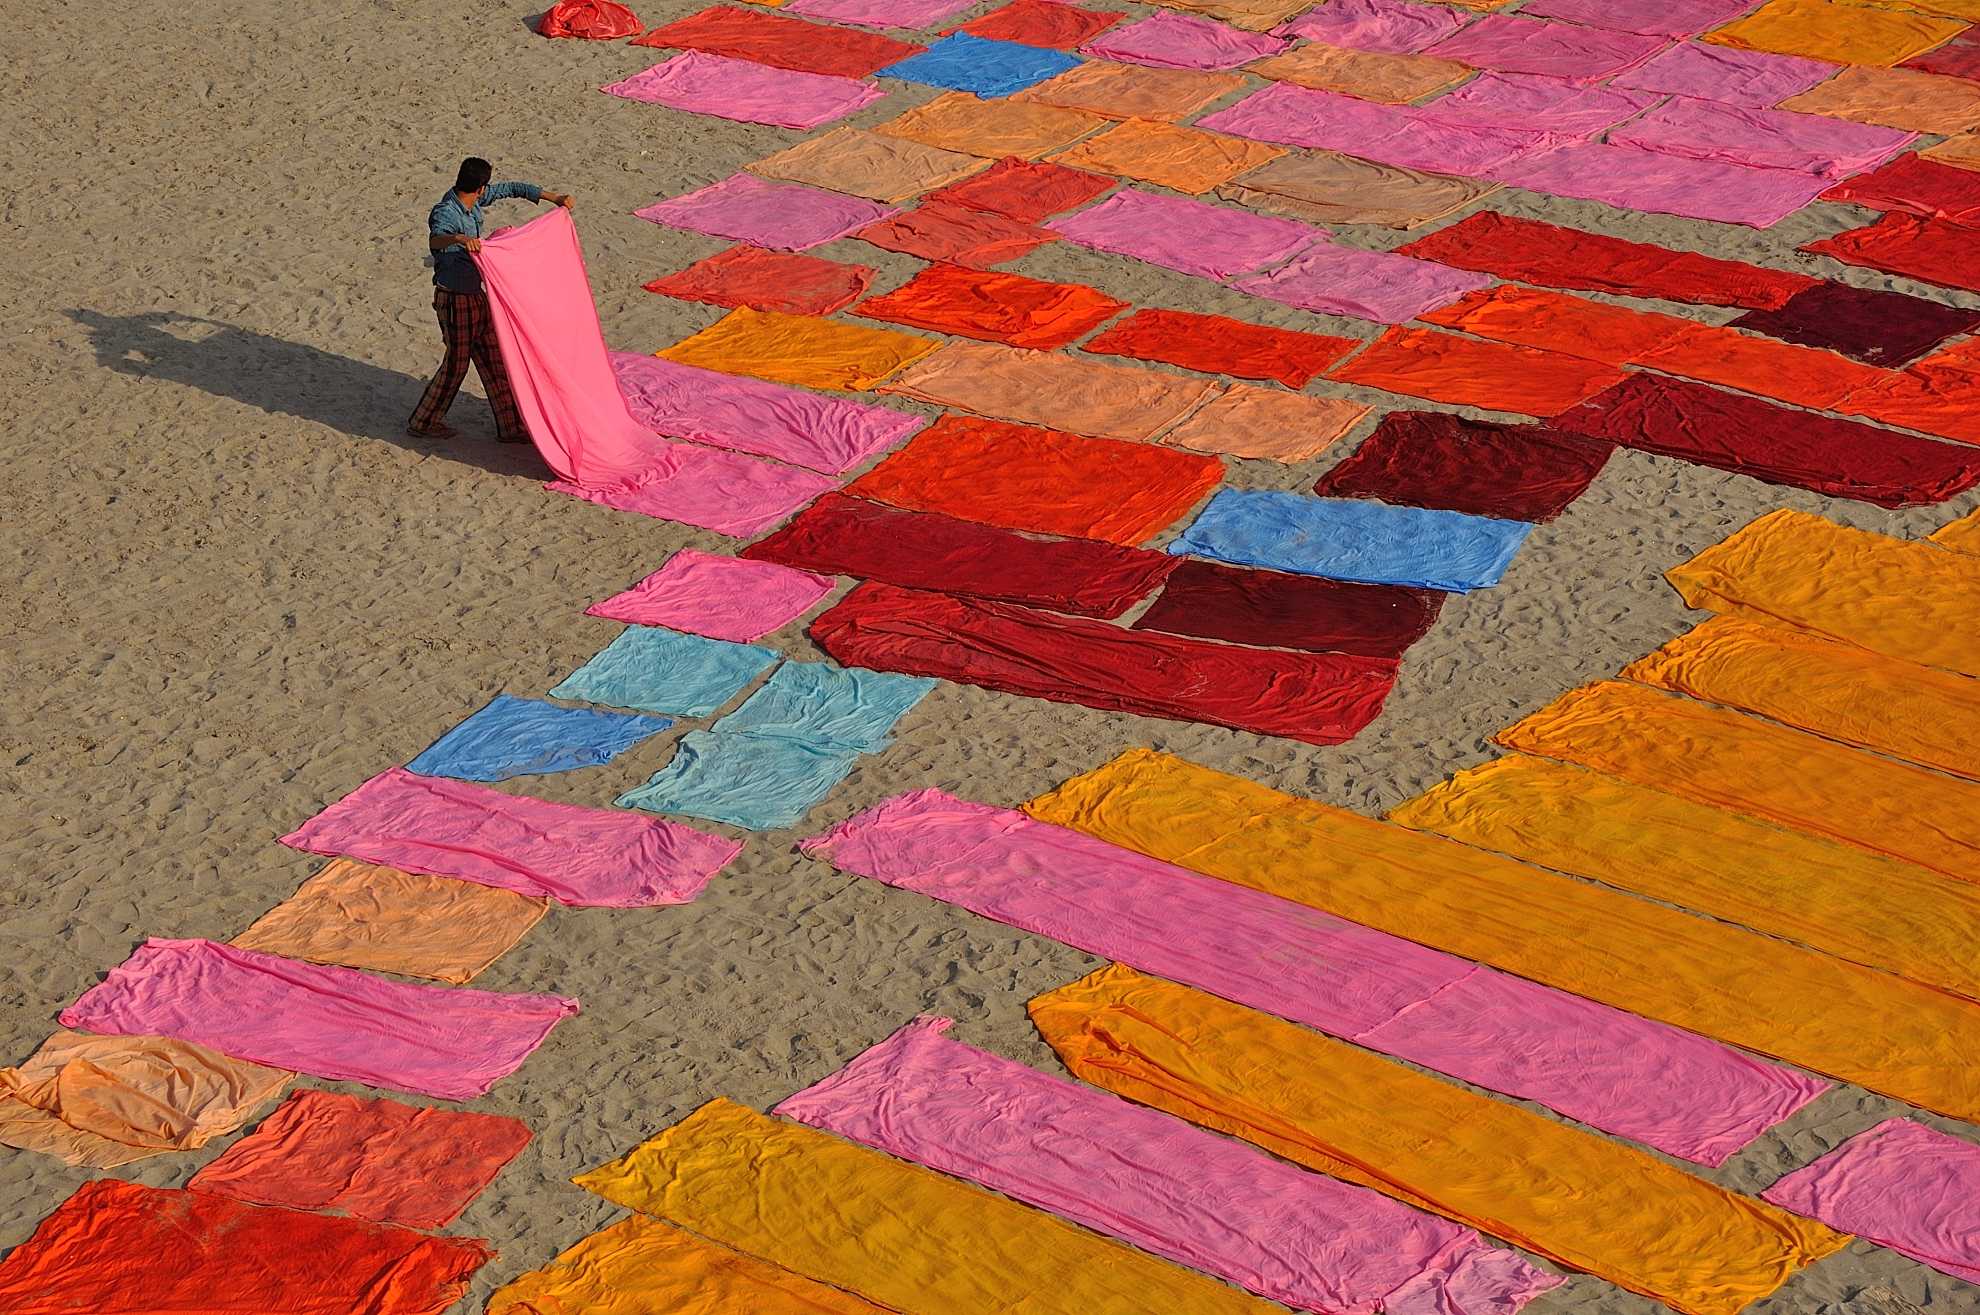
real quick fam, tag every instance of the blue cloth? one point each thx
(658, 670)
(528, 737)
(764, 783)
(986, 68)
(828, 707)
(453, 267)
(1346, 539)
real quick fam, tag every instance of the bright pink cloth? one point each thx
(1387, 134)
(1667, 1088)
(1169, 40)
(780, 216)
(720, 597)
(1390, 26)
(1634, 179)
(1762, 139)
(1721, 73)
(1901, 1185)
(726, 492)
(748, 92)
(452, 1043)
(1335, 279)
(1530, 104)
(911, 15)
(1193, 237)
(1672, 18)
(1209, 1202)
(583, 856)
(1514, 44)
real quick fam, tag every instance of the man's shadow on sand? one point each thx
(294, 379)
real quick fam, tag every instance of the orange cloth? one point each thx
(1365, 74)
(1182, 159)
(1894, 98)
(1326, 187)
(1962, 152)
(1269, 424)
(1446, 368)
(1962, 535)
(800, 349)
(1045, 388)
(869, 164)
(1575, 326)
(1129, 91)
(1217, 344)
(991, 129)
(1939, 394)
(1256, 15)
(1805, 376)
(1007, 308)
(1837, 31)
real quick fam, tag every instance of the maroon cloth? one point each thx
(1430, 459)
(1958, 58)
(1877, 328)
(594, 20)
(1321, 698)
(1210, 600)
(840, 535)
(1926, 249)
(1730, 431)
(1914, 185)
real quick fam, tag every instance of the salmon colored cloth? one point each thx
(1917, 248)
(1130, 91)
(781, 42)
(799, 349)
(1267, 424)
(1327, 187)
(1023, 190)
(1563, 1193)
(1006, 308)
(1443, 367)
(991, 129)
(1393, 79)
(1894, 98)
(1838, 31)
(1045, 388)
(1961, 152)
(103, 1101)
(869, 164)
(1215, 344)
(1186, 160)
(1863, 907)
(1042, 23)
(1722, 981)
(912, 1240)
(956, 235)
(781, 281)
(1962, 535)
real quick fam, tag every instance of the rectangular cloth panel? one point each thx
(1671, 18)
(1024, 191)
(1894, 98)
(99, 1102)
(1915, 186)
(927, 550)
(1045, 388)
(1006, 308)
(1190, 237)
(510, 736)
(1579, 1200)
(1721, 73)
(115, 1248)
(1512, 43)
(827, 705)
(1804, 376)
(1732, 761)
(362, 915)
(1041, 480)
(1166, 40)
(725, 492)
(962, 62)
(1443, 367)
(1917, 248)
(1255, 15)
(1156, 1182)
(1396, 26)
(1343, 539)
(955, 235)
(1962, 535)
(1317, 698)
(744, 275)
(1864, 324)
(1837, 31)
(1747, 436)
(789, 43)
(1212, 601)
(1722, 981)
(664, 671)
(579, 856)
(1961, 152)
(1632, 179)
(1131, 91)
(1267, 424)
(1043, 23)
(1901, 1185)
(724, 598)
(1957, 58)
(780, 216)
(1388, 134)
(451, 1043)
(904, 14)
(1905, 600)
(1186, 160)
(1216, 344)
(874, 165)
(1432, 459)
(914, 1241)
(1520, 100)
(991, 129)
(700, 83)
(370, 1159)
(1766, 139)
(1332, 278)
(799, 349)
(1555, 321)
(1673, 1090)
(1326, 187)
(762, 783)
(1371, 75)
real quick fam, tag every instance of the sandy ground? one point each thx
(234, 589)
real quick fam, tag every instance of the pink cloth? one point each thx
(1530, 104)
(1205, 1201)
(1513, 44)
(1193, 237)
(1667, 184)
(1901, 1185)
(1762, 139)
(781, 216)
(1387, 134)
(748, 92)
(1667, 1088)
(1168, 40)
(720, 597)
(1671, 18)
(1736, 77)
(1390, 26)
(582, 856)
(448, 1042)
(912, 15)
(726, 492)
(826, 434)
(1332, 279)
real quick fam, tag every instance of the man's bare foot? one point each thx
(438, 429)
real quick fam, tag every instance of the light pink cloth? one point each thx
(1667, 1088)
(726, 492)
(1209, 1202)
(748, 92)
(1763, 139)
(1167, 40)
(1901, 1185)
(1513, 44)
(720, 597)
(828, 434)
(584, 856)
(1391, 26)
(1530, 104)
(1193, 237)
(1671, 18)
(1667, 184)
(1387, 134)
(781, 216)
(451, 1043)
(912, 15)
(1737, 77)
(1332, 279)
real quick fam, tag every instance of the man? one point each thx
(453, 233)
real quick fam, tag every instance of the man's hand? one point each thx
(473, 244)
(563, 199)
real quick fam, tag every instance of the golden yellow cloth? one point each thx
(869, 164)
(1266, 424)
(1812, 1009)
(1894, 98)
(1897, 597)
(1182, 159)
(1961, 152)
(1550, 1187)
(1962, 535)
(992, 129)
(1868, 908)
(905, 1237)
(1836, 31)
(1256, 15)
(806, 350)
(1394, 79)
(1327, 187)
(1131, 91)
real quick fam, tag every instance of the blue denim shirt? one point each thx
(453, 268)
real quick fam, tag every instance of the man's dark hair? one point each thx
(474, 175)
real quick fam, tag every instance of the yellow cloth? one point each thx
(1811, 1009)
(1868, 908)
(1266, 424)
(869, 164)
(640, 1266)
(1836, 31)
(1394, 79)
(1573, 1197)
(991, 128)
(1131, 91)
(1183, 159)
(905, 1237)
(1894, 98)
(805, 350)
(1903, 599)
(1962, 535)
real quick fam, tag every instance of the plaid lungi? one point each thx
(468, 328)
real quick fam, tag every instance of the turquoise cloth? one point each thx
(528, 737)
(659, 670)
(828, 707)
(763, 782)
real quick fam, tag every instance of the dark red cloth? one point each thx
(1025, 190)
(1321, 698)
(593, 20)
(1213, 601)
(1864, 324)
(1927, 249)
(781, 42)
(840, 535)
(1958, 58)
(1042, 23)
(1914, 185)
(1215, 344)
(1730, 431)
(782, 281)
(1432, 459)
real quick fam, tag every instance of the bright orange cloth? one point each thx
(998, 307)
(991, 129)
(805, 350)
(1182, 159)
(1046, 388)
(1556, 321)
(1837, 31)
(1939, 394)
(1269, 424)
(1129, 91)
(1805, 376)
(1365, 74)
(1446, 368)
(1894, 98)
(869, 164)
(1962, 535)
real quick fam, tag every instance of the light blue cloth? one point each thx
(1346, 539)
(828, 707)
(659, 670)
(762, 782)
(528, 737)
(986, 68)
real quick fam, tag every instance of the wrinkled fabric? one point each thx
(1133, 91)
(1573, 326)
(1633, 179)
(1255, 15)
(1962, 535)
(1443, 367)
(1266, 424)
(744, 275)
(1158, 1183)
(1864, 324)
(1838, 31)
(1894, 98)
(955, 235)
(1216, 344)
(1960, 152)
(1394, 26)
(873, 165)
(1764, 139)
(1671, 18)
(725, 492)
(1901, 1185)
(592, 20)
(991, 129)
(799, 349)
(1045, 388)
(727, 598)
(780, 42)
(1326, 187)
(1370, 75)
(994, 307)
(908, 15)
(510, 736)
(1519, 100)
(1209, 600)
(761, 783)
(962, 62)
(781, 216)
(1026, 192)
(1042, 23)
(1167, 40)
(1513, 43)
(826, 434)
(1917, 248)
(1916, 186)
(1387, 134)
(451, 1043)
(1190, 237)
(828, 706)
(1332, 278)
(1182, 159)
(574, 855)
(697, 82)
(659, 670)
(1957, 58)
(1804, 376)
(1432, 459)
(1720, 73)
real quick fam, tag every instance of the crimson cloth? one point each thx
(1730, 431)
(781, 42)
(1210, 600)
(1042, 23)
(840, 535)
(1915, 185)
(1432, 459)
(1214, 344)
(1025, 190)
(1321, 698)
(594, 20)
(1864, 324)
(1927, 249)
(1957, 58)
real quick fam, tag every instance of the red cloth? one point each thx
(1958, 58)
(115, 1248)
(838, 535)
(955, 234)
(768, 280)
(1864, 324)
(1927, 249)
(1321, 698)
(1213, 601)
(1914, 185)
(593, 20)
(781, 42)
(1431, 459)
(994, 307)
(1214, 344)
(1728, 431)
(1042, 23)
(1025, 190)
